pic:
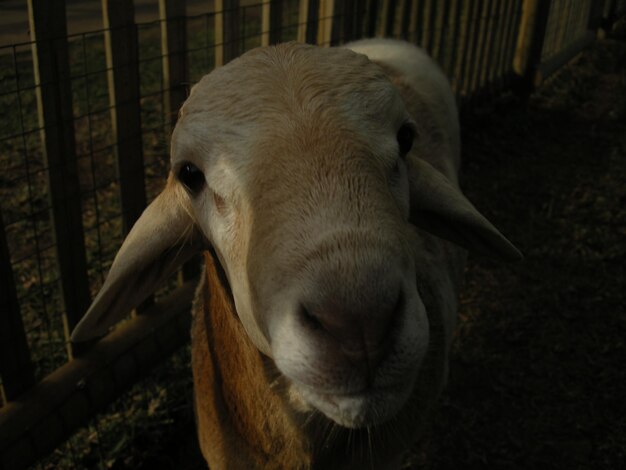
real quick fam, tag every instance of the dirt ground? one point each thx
(538, 370)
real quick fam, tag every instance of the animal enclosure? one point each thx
(84, 147)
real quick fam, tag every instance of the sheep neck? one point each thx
(240, 405)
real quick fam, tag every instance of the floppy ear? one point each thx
(161, 240)
(440, 208)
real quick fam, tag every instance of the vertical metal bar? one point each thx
(271, 19)
(226, 31)
(54, 103)
(122, 56)
(16, 368)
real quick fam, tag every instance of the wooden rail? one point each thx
(46, 414)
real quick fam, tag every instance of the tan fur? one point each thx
(240, 416)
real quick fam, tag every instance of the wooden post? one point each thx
(54, 104)
(461, 47)
(511, 40)
(388, 17)
(470, 56)
(122, 57)
(349, 19)
(503, 41)
(271, 19)
(307, 21)
(175, 80)
(425, 23)
(173, 48)
(372, 16)
(16, 369)
(480, 46)
(404, 18)
(226, 31)
(488, 46)
(530, 42)
(359, 12)
(415, 22)
(451, 45)
(325, 25)
(440, 24)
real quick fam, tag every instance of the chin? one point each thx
(370, 407)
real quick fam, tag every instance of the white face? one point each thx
(315, 250)
(306, 203)
(305, 200)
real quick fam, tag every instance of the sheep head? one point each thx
(297, 165)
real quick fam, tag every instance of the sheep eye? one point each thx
(405, 139)
(191, 177)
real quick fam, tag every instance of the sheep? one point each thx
(321, 184)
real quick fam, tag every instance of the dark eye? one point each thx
(405, 139)
(191, 177)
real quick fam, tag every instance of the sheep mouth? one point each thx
(365, 408)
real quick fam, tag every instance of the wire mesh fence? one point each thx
(85, 131)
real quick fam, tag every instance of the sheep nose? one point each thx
(360, 332)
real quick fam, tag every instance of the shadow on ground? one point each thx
(538, 374)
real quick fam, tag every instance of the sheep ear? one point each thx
(161, 240)
(440, 208)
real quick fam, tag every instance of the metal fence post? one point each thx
(54, 103)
